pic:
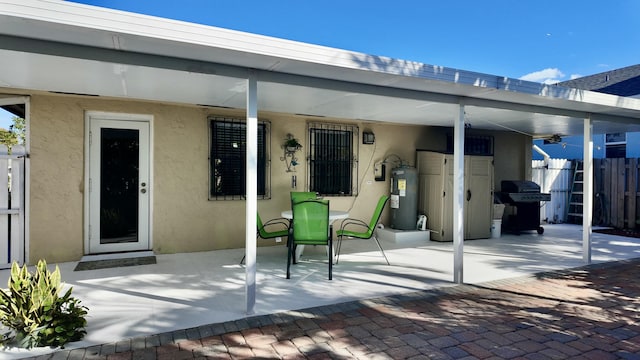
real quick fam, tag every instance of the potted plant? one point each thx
(291, 144)
(37, 312)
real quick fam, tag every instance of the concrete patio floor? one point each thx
(192, 289)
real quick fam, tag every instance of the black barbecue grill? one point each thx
(525, 197)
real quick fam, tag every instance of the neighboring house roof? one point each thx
(622, 82)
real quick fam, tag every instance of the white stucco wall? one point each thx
(184, 220)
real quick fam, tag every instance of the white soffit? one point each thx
(88, 77)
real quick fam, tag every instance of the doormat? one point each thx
(112, 263)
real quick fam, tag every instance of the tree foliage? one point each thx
(15, 135)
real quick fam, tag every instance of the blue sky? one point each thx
(537, 40)
(500, 37)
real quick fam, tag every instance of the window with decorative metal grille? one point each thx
(227, 160)
(473, 144)
(333, 160)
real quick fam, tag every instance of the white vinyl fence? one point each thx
(554, 177)
(11, 206)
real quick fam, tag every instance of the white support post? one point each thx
(252, 192)
(458, 196)
(587, 190)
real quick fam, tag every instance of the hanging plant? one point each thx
(291, 144)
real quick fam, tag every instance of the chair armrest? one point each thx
(278, 227)
(277, 221)
(353, 222)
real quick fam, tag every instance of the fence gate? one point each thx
(617, 195)
(12, 244)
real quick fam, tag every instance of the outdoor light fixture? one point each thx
(554, 139)
(368, 138)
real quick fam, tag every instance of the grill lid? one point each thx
(520, 186)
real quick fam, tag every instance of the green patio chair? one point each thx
(297, 196)
(361, 230)
(279, 228)
(310, 226)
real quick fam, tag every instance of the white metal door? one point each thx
(118, 180)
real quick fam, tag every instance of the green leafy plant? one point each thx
(291, 143)
(35, 313)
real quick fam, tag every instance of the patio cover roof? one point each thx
(58, 46)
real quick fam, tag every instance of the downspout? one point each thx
(546, 166)
(543, 153)
(544, 171)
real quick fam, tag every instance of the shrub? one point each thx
(34, 311)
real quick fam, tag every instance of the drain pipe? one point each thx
(546, 165)
(543, 153)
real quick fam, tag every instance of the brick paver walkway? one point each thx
(591, 312)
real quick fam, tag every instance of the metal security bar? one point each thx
(333, 159)
(473, 144)
(227, 160)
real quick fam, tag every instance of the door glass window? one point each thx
(120, 151)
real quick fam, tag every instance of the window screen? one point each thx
(332, 160)
(616, 151)
(616, 145)
(227, 161)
